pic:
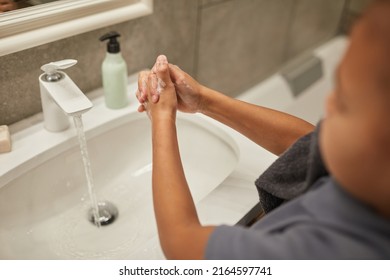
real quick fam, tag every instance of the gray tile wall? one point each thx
(352, 11)
(243, 41)
(171, 30)
(312, 22)
(357, 5)
(228, 45)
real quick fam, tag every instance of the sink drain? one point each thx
(108, 213)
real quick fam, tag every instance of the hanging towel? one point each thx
(292, 173)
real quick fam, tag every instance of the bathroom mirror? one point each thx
(53, 20)
(12, 5)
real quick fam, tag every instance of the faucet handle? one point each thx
(52, 67)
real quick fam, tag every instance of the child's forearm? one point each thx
(271, 129)
(168, 175)
(181, 234)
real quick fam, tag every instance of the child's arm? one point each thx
(180, 232)
(271, 129)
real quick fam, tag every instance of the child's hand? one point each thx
(156, 91)
(188, 90)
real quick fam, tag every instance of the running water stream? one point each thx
(87, 167)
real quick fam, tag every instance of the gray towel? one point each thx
(292, 173)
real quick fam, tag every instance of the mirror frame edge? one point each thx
(47, 34)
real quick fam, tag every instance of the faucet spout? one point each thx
(60, 96)
(67, 96)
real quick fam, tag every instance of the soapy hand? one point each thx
(188, 90)
(156, 91)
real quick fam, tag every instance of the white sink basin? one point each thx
(44, 208)
(44, 199)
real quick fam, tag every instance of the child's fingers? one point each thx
(141, 108)
(152, 86)
(142, 86)
(162, 69)
(177, 75)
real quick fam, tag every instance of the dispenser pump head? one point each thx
(113, 44)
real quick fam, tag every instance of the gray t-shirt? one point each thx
(324, 223)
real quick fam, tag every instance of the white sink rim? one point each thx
(30, 151)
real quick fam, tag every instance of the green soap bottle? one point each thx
(114, 73)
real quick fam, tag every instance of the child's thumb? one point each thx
(162, 69)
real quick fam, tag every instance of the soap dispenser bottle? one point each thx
(114, 73)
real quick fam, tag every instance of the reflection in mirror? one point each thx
(10, 5)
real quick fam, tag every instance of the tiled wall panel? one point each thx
(171, 30)
(228, 45)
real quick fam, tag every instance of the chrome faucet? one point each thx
(60, 96)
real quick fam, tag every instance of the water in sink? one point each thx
(78, 123)
(45, 211)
